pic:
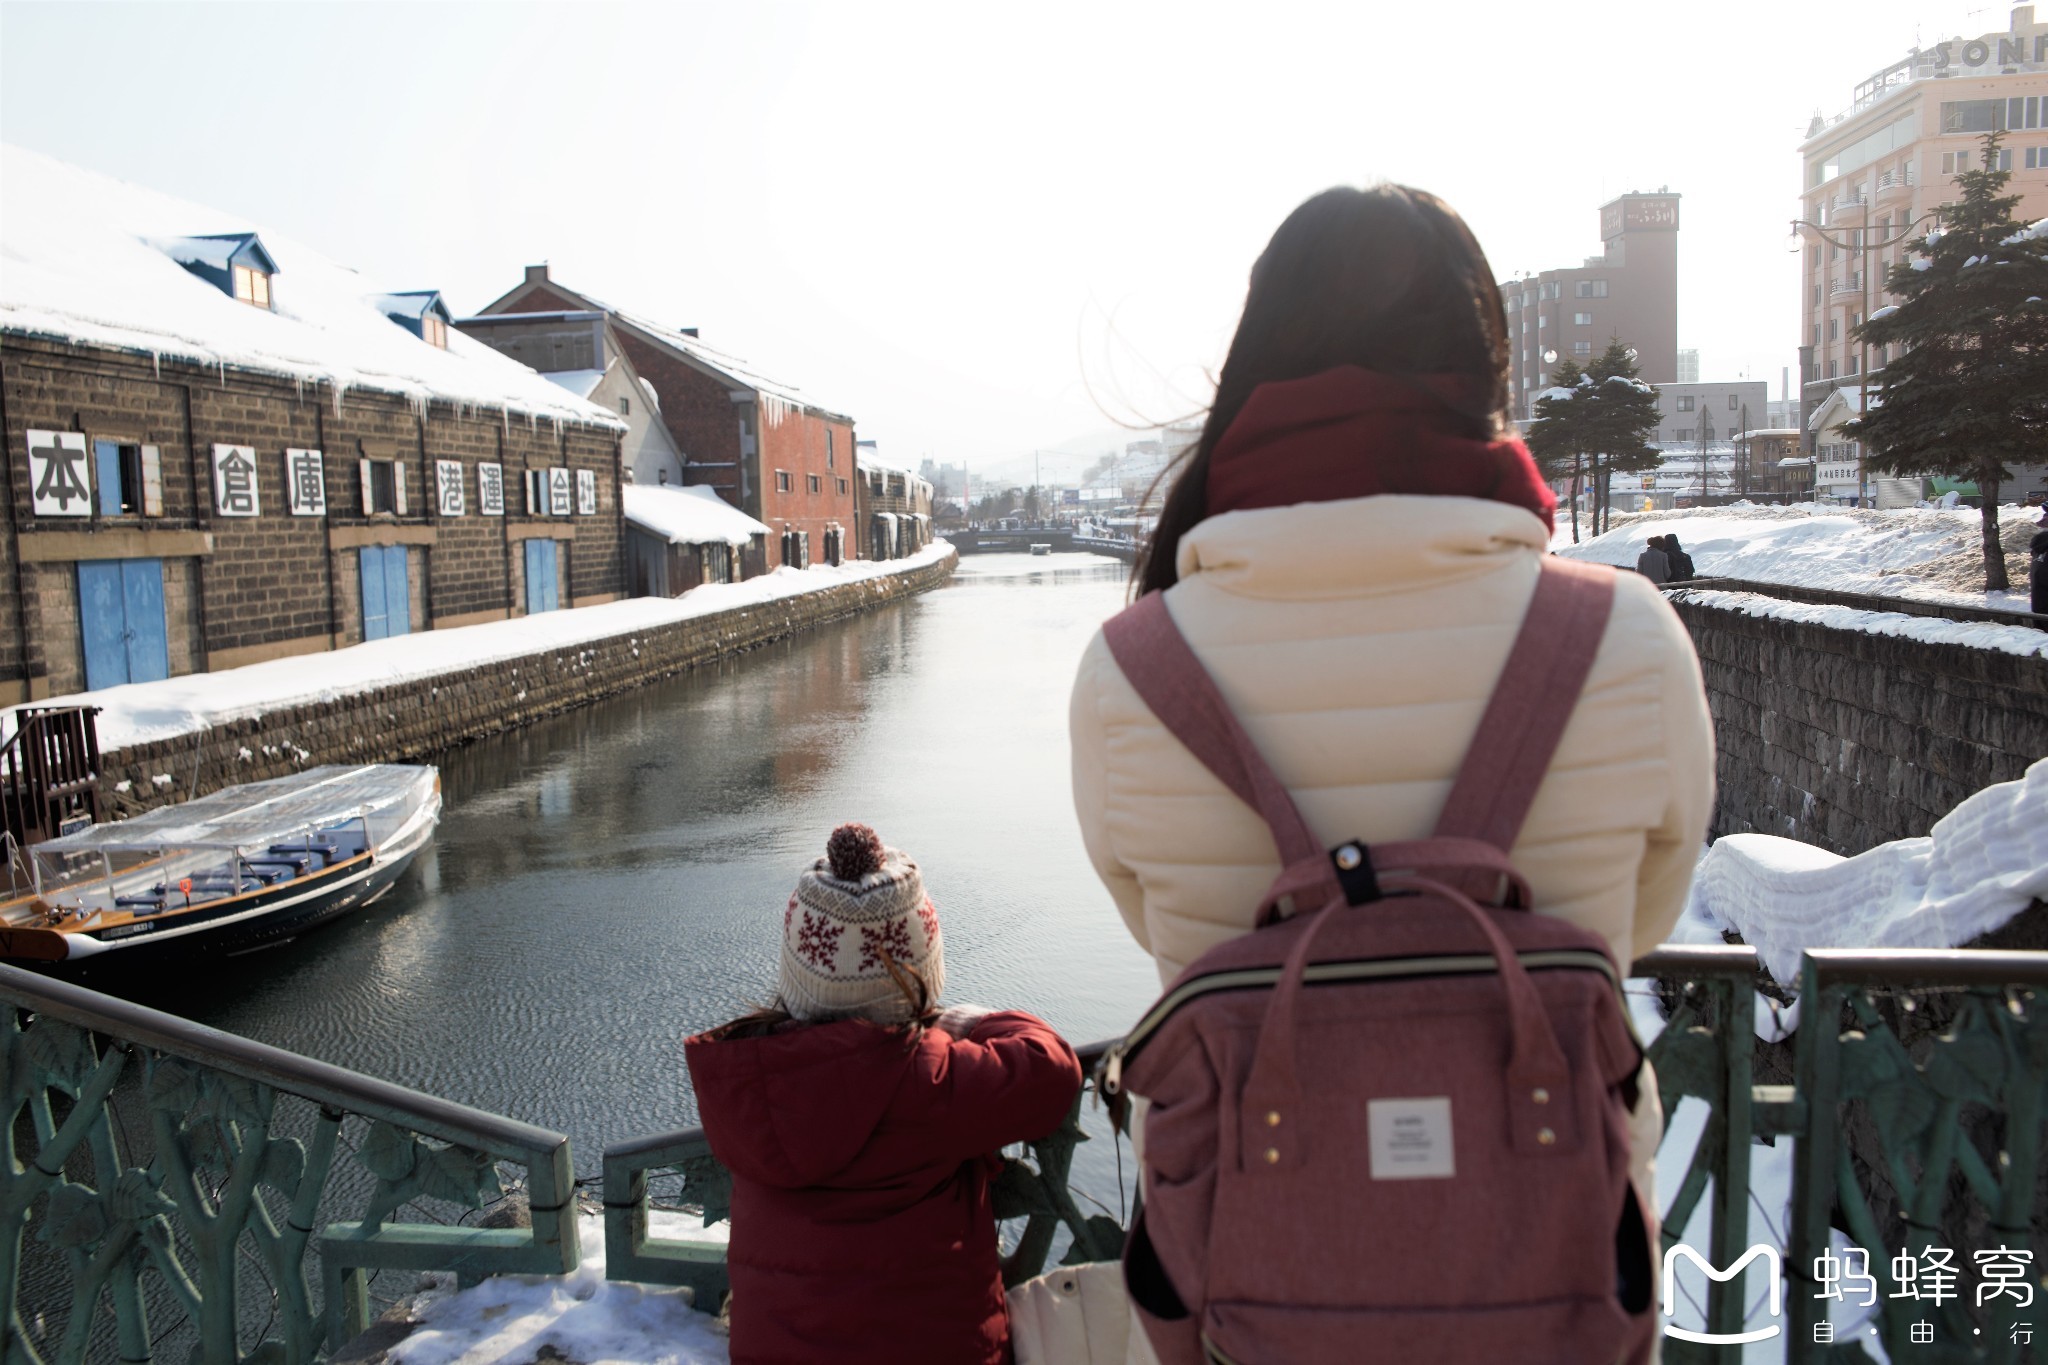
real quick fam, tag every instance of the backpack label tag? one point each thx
(1410, 1139)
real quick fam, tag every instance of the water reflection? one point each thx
(608, 881)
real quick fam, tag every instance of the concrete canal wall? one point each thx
(411, 720)
(1846, 738)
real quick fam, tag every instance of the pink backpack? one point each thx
(1391, 1124)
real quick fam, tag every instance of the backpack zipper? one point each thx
(1353, 969)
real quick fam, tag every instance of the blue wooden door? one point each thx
(142, 588)
(387, 596)
(121, 621)
(397, 592)
(542, 588)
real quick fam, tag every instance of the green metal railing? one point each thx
(1981, 1071)
(214, 1228)
(1917, 1102)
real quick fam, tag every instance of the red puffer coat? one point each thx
(861, 1224)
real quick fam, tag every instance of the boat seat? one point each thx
(309, 858)
(268, 873)
(154, 904)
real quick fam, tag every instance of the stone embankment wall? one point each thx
(412, 720)
(1846, 739)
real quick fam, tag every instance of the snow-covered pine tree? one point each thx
(1963, 390)
(1556, 436)
(1623, 417)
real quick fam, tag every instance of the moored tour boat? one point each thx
(248, 867)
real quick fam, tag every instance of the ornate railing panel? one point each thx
(247, 1147)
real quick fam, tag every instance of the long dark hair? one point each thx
(775, 1017)
(1388, 278)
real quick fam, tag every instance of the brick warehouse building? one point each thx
(766, 448)
(222, 449)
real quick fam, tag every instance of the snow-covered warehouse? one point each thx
(680, 537)
(223, 448)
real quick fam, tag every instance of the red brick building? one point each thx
(767, 449)
(218, 455)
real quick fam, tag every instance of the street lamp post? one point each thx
(1899, 232)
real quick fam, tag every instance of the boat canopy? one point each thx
(257, 814)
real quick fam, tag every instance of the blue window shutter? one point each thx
(142, 588)
(397, 592)
(106, 461)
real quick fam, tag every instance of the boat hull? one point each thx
(265, 919)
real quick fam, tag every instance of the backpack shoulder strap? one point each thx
(1155, 657)
(1531, 704)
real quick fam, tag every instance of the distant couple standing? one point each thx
(1665, 562)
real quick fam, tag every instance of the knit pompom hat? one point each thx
(859, 908)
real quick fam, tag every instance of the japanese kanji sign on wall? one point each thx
(586, 492)
(558, 492)
(448, 483)
(59, 474)
(490, 489)
(234, 481)
(305, 483)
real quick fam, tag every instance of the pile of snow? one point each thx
(140, 713)
(510, 1319)
(1985, 861)
(1929, 554)
(85, 264)
(688, 516)
(2024, 641)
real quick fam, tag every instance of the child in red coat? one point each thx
(860, 1123)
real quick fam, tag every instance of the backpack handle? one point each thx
(1536, 1065)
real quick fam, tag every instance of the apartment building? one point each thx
(1874, 174)
(1629, 291)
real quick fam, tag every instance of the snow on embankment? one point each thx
(1930, 554)
(1984, 862)
(2024, 641)
(141, 713)
(510, 1319)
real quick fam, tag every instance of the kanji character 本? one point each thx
(307, 481)
(1849, 1272)
(2003, 1270)
(1932, 1275)
(59, 473)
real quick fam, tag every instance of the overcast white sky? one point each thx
(979, 229)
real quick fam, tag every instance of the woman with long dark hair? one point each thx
(1350, 549)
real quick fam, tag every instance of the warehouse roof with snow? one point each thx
(95, 261)
(688, 516)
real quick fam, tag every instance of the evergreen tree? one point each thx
(1556, 435)
(1964, 390)
(1623, 416)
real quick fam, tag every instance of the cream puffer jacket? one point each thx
(1359, 641)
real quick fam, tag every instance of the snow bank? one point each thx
(140, 713)
(1983, 863)
(688, 516)
(84, 265)
(1926, 553)
(509, 1319)
(2024, 641)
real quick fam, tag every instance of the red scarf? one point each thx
(1352, 433)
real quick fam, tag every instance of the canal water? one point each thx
(605, 883)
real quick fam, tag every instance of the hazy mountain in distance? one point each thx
(1063, 463)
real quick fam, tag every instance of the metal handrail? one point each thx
(221, 1073)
